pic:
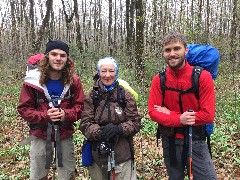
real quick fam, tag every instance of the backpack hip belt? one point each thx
(198, 133)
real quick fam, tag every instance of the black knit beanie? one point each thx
(56, 44)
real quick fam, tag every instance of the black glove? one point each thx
(110, 131)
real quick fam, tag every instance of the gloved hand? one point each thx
(110, 131)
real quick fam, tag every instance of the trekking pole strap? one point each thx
(58, 146)
(48, 146)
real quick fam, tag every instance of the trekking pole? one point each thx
(190, 153)
(54, 163)
(113, 165)
(190, 150)
(109, 166)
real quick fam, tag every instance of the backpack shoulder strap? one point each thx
(36, 98)
(121, 96)
(162, 76)
(96, 98)
(197, 70)
(71, 95)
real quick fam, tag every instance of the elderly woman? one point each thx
(110, 120)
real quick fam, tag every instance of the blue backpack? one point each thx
(201, 57)
(205, 56)
(208, 57)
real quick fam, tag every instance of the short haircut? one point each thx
(174, 37)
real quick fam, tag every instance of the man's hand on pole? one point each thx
(188, 118)
(56, 114)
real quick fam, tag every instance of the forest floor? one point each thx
(14, 159)
(148, 157)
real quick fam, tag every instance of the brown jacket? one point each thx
(128, 118)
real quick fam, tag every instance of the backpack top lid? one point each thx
(205, 56)
(34, 59)
(128, 87)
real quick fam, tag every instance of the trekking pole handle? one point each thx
(190, 149)
(57, 106)
(58, 122)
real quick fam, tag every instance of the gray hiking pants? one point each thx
(38, 159)
(202, 164)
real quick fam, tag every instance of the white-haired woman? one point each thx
(110, 120)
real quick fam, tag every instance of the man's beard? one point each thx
(178, 65)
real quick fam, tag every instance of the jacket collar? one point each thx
(32, 77)
(179, 72)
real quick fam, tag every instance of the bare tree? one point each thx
(154, 23)
(128, 24)
(233, 32)
(14, 23)
(122, 29)
(84, 9)
(130, 9)
(115, 28)
(78, 28)
(68, 18)
(32, 25)
(139, 39)
(49, 6)
(110, 28)
(207, 20)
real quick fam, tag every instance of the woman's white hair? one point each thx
(107, 60)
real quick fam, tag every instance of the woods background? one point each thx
(131, 31)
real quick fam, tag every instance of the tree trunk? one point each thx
(122, 30)
(68, 19)
(128, 24)
(78, 28)
(130, 31)
(32, 26)
(84, 24)
(110, 28)
(49, 4)
(14, 24)
(233, 32)
(139, 40)
(207, 21)
(115, 29)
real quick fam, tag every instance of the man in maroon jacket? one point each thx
(51, 100)
(171, 112)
